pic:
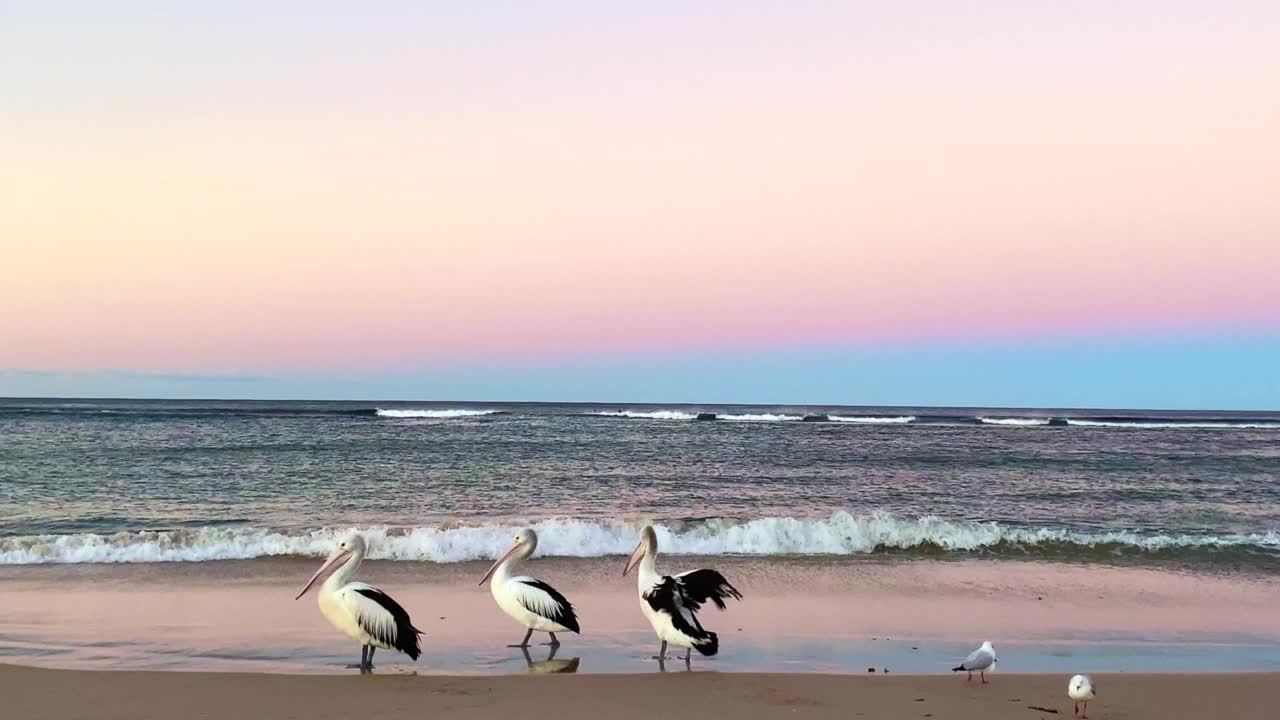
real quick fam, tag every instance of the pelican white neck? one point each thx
(645, 555)
(526, 541)
(345, 571)
(341, 564)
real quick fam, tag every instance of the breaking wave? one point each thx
(841, 534)
(650, 415)
(1168, 425)
(760, 417)
(872, 420)
(445, 413)
(1013, 421)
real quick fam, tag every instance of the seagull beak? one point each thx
(334, 559)
(510, 551)
(634, 559)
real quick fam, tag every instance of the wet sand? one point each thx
(801, 615)
(34, 694)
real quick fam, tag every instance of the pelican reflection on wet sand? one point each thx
(550, 666)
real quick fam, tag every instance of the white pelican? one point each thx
(365, 613)
(533, 603)
(1080, 689)
(980, 660)
(671, 602)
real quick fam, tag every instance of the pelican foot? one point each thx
(522, 645)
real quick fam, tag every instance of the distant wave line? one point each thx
(440, 414)
(868, 420)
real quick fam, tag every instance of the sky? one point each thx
(1031, 204)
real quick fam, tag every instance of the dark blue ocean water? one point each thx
(146, 481)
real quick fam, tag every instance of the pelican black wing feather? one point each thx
(665, 597)
(560, 611)
(403, 636)
(699, 586)
(668, 597)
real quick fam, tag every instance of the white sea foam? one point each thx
(872, 420)
(1013, 421)
(761, 417)
(1173, 425)
(840, 534)
(650, 415)
(443, 413)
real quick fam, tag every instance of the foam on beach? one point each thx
(840, 534)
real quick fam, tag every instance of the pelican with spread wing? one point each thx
(671, 602)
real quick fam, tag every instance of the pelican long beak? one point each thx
(634, 559)
(334, 560)
(510, 551)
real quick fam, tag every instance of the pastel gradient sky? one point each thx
(607, 201)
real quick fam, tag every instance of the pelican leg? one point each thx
(364, 658)
(662, 652)
(688, 653)
(554, 642)
(524, 643)
(369, 665)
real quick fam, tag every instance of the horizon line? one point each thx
(631, 404)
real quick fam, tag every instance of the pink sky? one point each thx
(217, 189)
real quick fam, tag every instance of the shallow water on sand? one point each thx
(800, 616)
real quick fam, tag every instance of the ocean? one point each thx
(175, 535)
(127, 481)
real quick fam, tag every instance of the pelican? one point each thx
(981, 660)
(365, 613)
(671, 602)
(1080, 689)
(533, 603)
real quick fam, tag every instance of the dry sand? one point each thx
(34, 694)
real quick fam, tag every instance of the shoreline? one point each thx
(840, 617)
(34, 694)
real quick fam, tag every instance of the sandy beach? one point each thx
(33, 694)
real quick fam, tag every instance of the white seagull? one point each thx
(533, 603)
(1080, 689)
(980, 660)
(365, 613)
(671, 602)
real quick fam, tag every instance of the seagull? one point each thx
(532, 603)
(1080, 689)
(671, 602)
(365, 613)
(981, 660)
